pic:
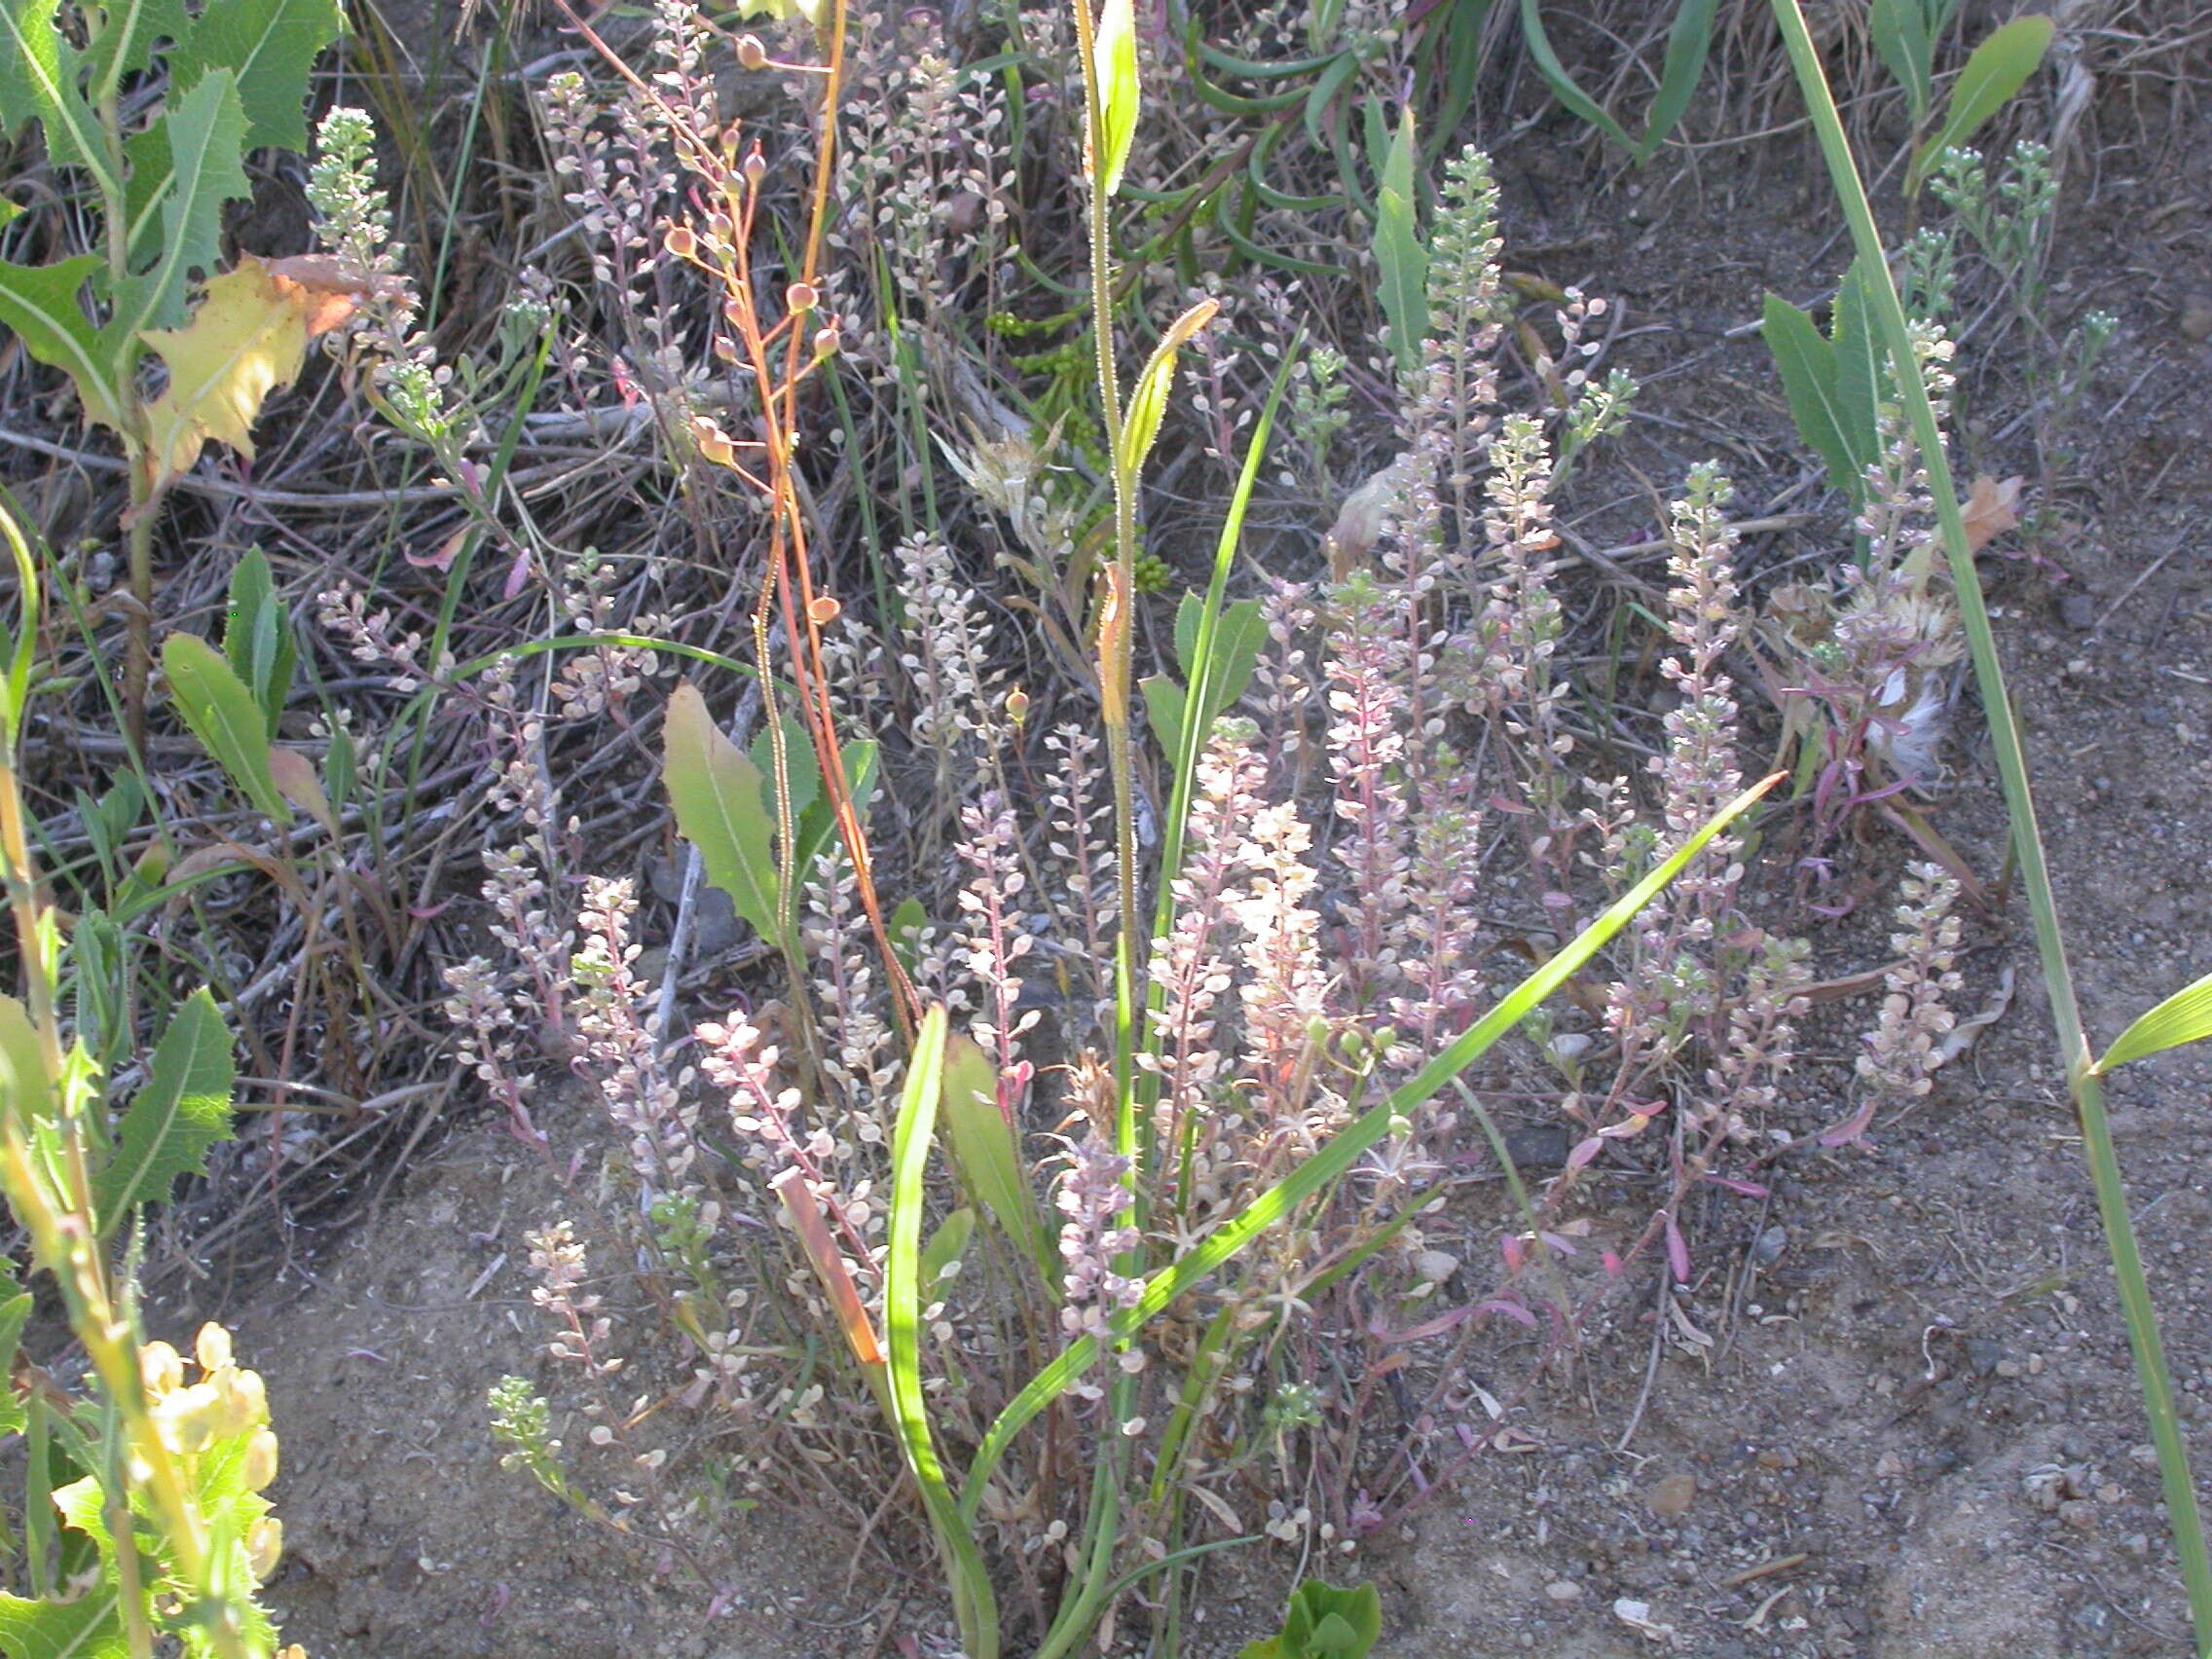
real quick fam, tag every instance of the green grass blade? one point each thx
(1336, 1158)
(2183, 1512)
(2186, 1017)
(902, 1287)
(1688, 44)
(1561, 84)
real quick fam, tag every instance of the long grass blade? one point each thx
(2141, 1314)
(1336, 1159)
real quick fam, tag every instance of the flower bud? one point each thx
(681, 242)
(260, 1460)
(825, 341)
(801, 298)
(161, 1368)
(213, 1346)
(751, 53)
(264, 1547)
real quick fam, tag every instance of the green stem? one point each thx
(2136, 1306)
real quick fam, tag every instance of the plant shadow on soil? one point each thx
(1913, 1430)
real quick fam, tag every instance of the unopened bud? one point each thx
(824, 610)
(1018, 705)
(260, 1460)
(681, 242)
(213, 1346)
(265, 1547)
(755, 168)
(826, 342)
(799, 298)
(751, 53)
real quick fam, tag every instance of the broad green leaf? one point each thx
(817, 822)
(1239, 635)
(987, 1150)
(1561, 84)
(271, 46)
(27, 1087)
(42, 79)
(1399, 255)
(1337, 1157)
(1901, 37)
(1113, 55)
(224, 717)
(40, 304)
(910, 1141)
(86, 1628)
(205, 130)
(1807, 368)
(1148, 402)
(126, 42)
(948, 1245)
(1859, 376)
(2186, 1017)
(722, 808)
(183, 1110)
(257, 636)
(1163, 706)
(1999, 68)
(1690, 42)
(799, 759)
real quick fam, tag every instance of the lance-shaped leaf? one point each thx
(1113, 56)
(1807, 368)
(1999, 68)
(224, 717)
(1398, 252)
(986, 1147)
(1239, 636)
(257, 636)
(722, 808)
(202, 138)
(814, 1238)
(1902, 36)
(40, 304)
(2186, 1017)
(184, 1109)
(1148, 402)
(271, 46)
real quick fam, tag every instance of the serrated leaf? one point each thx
(203, 133)
(1807, 368)
(40, 302)
(1148, 402)
(88, 1627)
(271, 46)
(986, 1149)
(1998, 69)
(1399, 255)
(223, 716)
(183, 1110)
(1113, 56)
(126, 40)
(257, 636)
(42, 79)
(1690, 42)
(722, 808)
(2184, 1018)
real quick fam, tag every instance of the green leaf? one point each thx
(224, 717)
(1113, 56)
(341, 767)
(800, 761)
(26, 1086)
(1999, 68)
(257, 636)
(911, 1140)
(271, 46)
(721, 809)
(2186, 1017)
(1807, 368)
(204, 131)
(1902, 38)
(183, 1110)
(86, 1628)
(1239, 636)
(1163, 706)
(986, 1149)
(14, 1313)
(126, 42)
(1335, 1160)
(1148, 402)
(817, 822)
(948, 1245)
(1399, 254)
(1690, 42)
(40, 302)
(1859, 376)
(1561, 84)
(42, 79)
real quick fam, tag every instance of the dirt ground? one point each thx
(1914, 1428)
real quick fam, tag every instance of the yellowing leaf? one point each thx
(248, 336)
(1990, 509)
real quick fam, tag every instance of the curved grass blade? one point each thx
(971, 1583)
(2186, 1017)
(1688, 44)
(1561, 84)
(1336, 1158)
